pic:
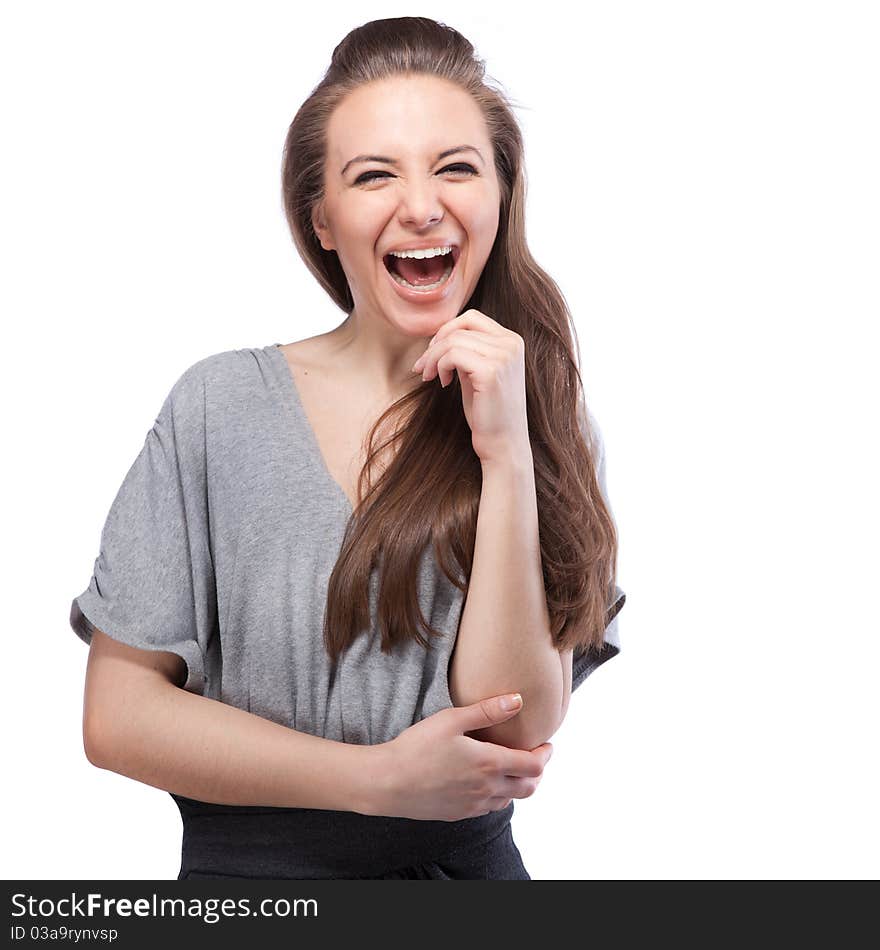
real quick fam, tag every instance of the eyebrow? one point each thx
(391, 161)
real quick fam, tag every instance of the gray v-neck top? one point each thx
(219, 545)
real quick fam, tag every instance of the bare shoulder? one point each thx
(309, 354)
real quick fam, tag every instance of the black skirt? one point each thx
(253, 842)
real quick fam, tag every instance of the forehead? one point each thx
(404, 116)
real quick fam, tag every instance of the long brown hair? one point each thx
(429, 493)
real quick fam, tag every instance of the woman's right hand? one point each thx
(432, 771)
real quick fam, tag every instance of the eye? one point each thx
(368, 176)
(459, 167)
(463, 167)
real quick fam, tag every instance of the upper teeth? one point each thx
(424, 252)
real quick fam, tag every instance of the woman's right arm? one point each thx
(139, 723)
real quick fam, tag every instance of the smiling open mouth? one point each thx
(427, 273)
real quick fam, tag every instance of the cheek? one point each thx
(358, 247)
(484, 226)
(480, 210)
(360, 224)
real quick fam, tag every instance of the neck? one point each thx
(374, 350)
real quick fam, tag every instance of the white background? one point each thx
(703, 185)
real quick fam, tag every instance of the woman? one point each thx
(306, 589)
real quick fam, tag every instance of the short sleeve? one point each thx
(585, 662)
(153, 584)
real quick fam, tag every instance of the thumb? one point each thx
(487, 712)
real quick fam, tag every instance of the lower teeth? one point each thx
(405, 283)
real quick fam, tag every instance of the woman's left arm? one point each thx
(504, 643)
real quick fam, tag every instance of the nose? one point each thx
(420, 205)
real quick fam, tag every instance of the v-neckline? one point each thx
(311, 437)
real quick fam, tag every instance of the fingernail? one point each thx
(513, 701)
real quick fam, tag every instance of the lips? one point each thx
(424, 297)
(456, 252)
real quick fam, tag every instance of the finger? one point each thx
(434, 350)
(529, 764)
(471, 319)
(447, 331)
(484, 713)
(479, 326)
(545, 749)
(464, 359)
(518, 787)
(431, 366)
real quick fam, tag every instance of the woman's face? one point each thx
(404, 195)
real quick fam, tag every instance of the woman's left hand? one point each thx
(490, 362)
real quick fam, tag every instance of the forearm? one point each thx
(210, 751)
(504, 642)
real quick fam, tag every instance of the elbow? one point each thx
(536, 735)
(532, 728)
(563, 711)
(537, 721)
(95, 740)
(91, 746)
(521, 732)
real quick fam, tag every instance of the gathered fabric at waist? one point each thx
(312, 843)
